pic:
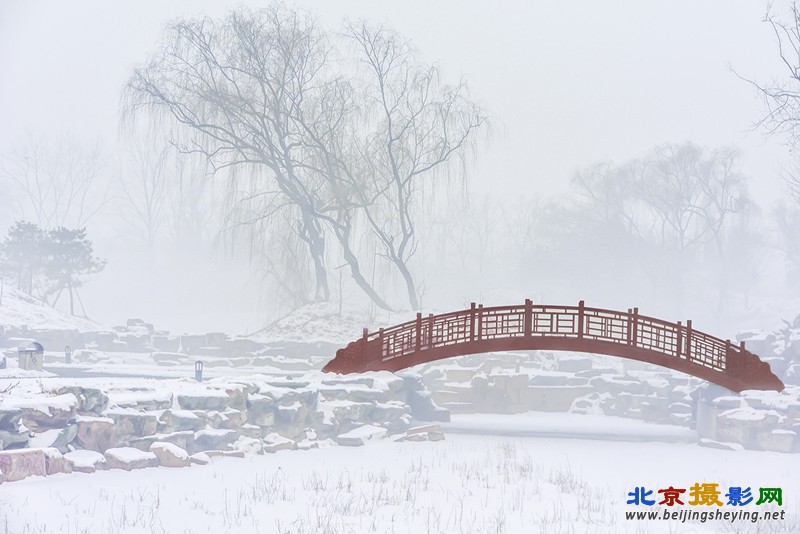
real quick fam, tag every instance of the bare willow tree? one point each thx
(781, 97)
(54, 182)
(237, 87)
(263, 95)
(418, 128)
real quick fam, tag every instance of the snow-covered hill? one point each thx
(18, 310)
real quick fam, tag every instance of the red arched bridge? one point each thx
(570, 328)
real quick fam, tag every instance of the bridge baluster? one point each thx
(635, 327)
(724, 364)
(528, 320)
(480, 322)
(678, 340)
(689, 339)
(472, 322)
(430, 331)
(581, 313)
(419, 332)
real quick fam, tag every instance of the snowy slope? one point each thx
(20, 310)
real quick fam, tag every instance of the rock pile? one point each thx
(133, 428)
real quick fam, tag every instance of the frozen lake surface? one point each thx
(493, 473)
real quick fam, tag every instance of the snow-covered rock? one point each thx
(129, 458)
(200, 458)
(777, 440)
(705, 442)
(89, 399)
(207, 400)
(260, 410)
(213, 439)
(359, 436)
(180, 420)
(46, 412)
(58, 438)
(84, 461)
(9, 418)
(130, 422)
(170, 455)
(22, 463)
(96, 433)
(141, 398)
(10, 438)
(250, 446)
(274, 442)
(54, 462)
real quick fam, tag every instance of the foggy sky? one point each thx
(568, 84)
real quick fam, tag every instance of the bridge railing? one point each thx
(480, 323)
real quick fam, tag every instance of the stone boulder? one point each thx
(421, 403)
(208, 400)
(170, 455)
(260, 410)
(200, 458)
(89, 399)
(48, 412)
(130, 422)
(249, 446)
(10, 439)
(54, 462)
(129, 458)
(360, 393)
(237, 394)
(180, 420)
(213, 439)
(183, 439)
(83, 461)
(389, 411)
(23, 463)
(359, 436)
(141, 398)
(777, 440)
(166, 343)
(9, 418)
(274, 442)
(58, 438)
(90, 356)
(96, 433)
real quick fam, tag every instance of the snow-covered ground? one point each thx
(19, 309)
(467, 483)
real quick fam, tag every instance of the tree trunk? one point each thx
(342, 232)
(71, 300)
(311, 233)
(411, 286)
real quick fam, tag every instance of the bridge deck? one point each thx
(546, 327)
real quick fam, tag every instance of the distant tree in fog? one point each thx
(679, 213)
(54, 182)
(68, 262)
(788, 219)
(341, 143)
(144, 186)
(46, 263)
(22, 255)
